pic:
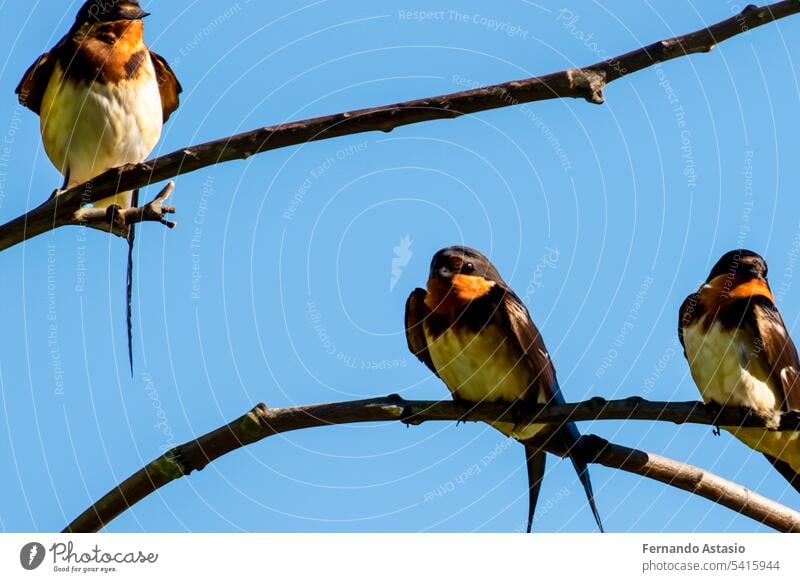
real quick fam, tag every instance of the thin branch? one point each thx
(113, 220)
(584, 83)
(262, 422)
(116, 220)
(694, 480)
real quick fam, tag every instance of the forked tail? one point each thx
(565, 442)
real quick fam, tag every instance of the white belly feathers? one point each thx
(88, 128)
(484, 367)
(730, 377)
(724, 373)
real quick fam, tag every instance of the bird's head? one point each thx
(94, 11)
(739, 273)
(461, 275)
(740, 264)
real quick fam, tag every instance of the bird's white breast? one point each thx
(726, 368)
(483, 367)
(88, 128)
(727, 371)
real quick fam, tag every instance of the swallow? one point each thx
(740, 353)
(102, 97)
(471, 330)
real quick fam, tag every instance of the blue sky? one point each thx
(278, 284)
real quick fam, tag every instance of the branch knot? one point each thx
(588, 84)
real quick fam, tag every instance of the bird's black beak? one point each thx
(134, 13)
(131, 14)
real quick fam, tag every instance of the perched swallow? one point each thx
(740, 353)
(476, 335)
(102, 97)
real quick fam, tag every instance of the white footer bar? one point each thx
(400, 557)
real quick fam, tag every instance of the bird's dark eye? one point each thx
(468, 268)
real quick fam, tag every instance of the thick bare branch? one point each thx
(585, 83)
(262, 422)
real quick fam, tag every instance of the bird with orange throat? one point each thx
(102, 97)
(477, 336)
(740, 353)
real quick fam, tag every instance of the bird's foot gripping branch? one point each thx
(68, 209)
(116, 220)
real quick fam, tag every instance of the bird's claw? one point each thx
(716, 410)
(115, 216)
(465, 407)
(118, 220)
(519, 414)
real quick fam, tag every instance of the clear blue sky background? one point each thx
(604, 218)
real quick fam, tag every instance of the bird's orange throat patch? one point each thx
(725, 287)
(462, 290)
(110, 52)
(471, 287)
(752, 288)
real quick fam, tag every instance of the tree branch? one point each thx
(694, 480)
(262, 422)
(585, 83)
(116, 220)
